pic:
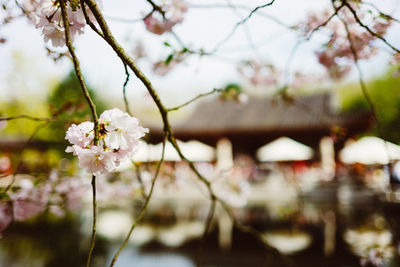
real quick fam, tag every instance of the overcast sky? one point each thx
(202, 27)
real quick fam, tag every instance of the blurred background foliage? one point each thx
(384, 92)
(64, 100)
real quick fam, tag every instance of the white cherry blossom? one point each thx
(118, 139)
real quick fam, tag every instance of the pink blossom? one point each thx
(96, 160)
(174, 11)
(336, 55)
(81, 135)
(46, 15)
(158, 25)
(123, 131)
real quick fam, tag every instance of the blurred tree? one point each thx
(68, 101)
(385, 94)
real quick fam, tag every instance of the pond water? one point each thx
(314, 230)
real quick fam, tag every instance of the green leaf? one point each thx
(383, 16)
(169, 58)
(167, 44)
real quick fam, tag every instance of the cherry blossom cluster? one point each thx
(46, 15)
(336, 55)
(117, 141)
(173, 12)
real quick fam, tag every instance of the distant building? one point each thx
(261, 120)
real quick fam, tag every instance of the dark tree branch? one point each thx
(354, 13)
(124, 90)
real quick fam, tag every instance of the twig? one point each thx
(25, 117)
(360, 76)
(144, 208)
(364, 87)
(218, 45)
(88, 21)
(210, 217)
(92, 108)
(194, 99)
(94, 225)
(77, 68)
(139, 177)
(243, 7)
(124, 90)
(163, 111)
(380, 12)
(246, 31)
(38, 128)
(367, 28)
(296, 47)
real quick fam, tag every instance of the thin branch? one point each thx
(124, 56)
(360, 74)
(94, 225)
(246, 31)
(124, 90)
(25, 117)
(243, 7)
(163, 111)
(77, 68)
(323, 24)
(38, 128)
(194, 99)
(367, 28)
(88, 21)
(380, 12)
(364, 87)
(92, 108)
(156, 7)
(301, 41)
(144, 208)
(140, 179)
(232, 32)
(210, 217)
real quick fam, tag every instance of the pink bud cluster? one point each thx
(174, 11)
(46, 15)
(118, 139)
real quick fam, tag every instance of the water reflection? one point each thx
(310, 233)
(312, 221)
